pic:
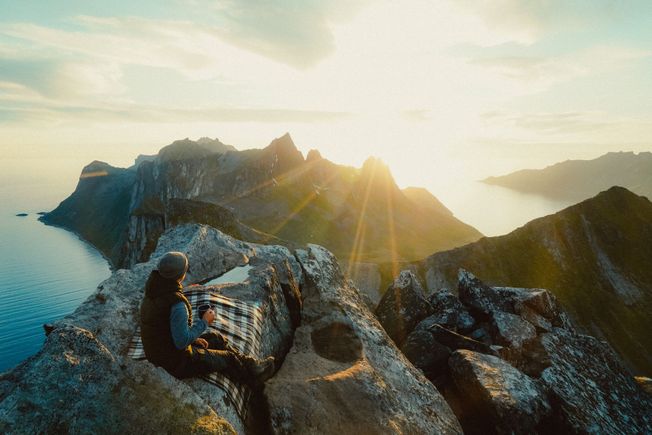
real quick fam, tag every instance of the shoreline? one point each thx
(56, 315)
(43, 220)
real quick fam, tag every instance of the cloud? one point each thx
(551, 123)
(53, 112)
(529, 21)
(295, 32)
(53, 78)
(540, 72)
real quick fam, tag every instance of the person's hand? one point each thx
(201, 343)
(209, 316)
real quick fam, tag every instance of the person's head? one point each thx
(173, 265)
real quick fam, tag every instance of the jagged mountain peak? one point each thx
(284, 142)
(284, 151)
(313, 156)
(377, 169)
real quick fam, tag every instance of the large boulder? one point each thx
(458, 341)
(82, 380)
(512, 330)
(591, 390)
(498, 395)
(343, 373)
(426, 353)
(403, 306)
(77, 385)
(449, 312)
(479, 297)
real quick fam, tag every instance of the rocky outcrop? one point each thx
(499, 393)
(330, 349)
(402, 307)
(98, 210)
(84, 356)
(77, 385)
(594, 257)
(449, 312)
(590, 388)
(343, 373)
(520, 367)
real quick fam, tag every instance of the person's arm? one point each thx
(182, 335)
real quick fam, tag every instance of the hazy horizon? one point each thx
(442, 92)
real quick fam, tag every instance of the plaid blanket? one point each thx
(239, 322)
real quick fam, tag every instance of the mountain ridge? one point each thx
(580, 179)
(273, 192)
(594, 256)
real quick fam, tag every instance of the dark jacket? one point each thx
(160, 295)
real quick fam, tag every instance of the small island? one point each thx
(22, 214)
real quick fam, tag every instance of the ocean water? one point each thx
(46, 272)
(495, 210)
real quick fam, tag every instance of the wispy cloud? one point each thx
(49, 112)
(540, 72)
(551, 123)
(295, 32)
(529, 21)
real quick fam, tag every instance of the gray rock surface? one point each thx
(458, 341)
(532, 373)
(343, 373)
(512, 330)
(591, 389)
(426, 353)
(84, 356)
(449, 312)
(403, 306)
(366, 278)
(480, 297)
(512, 401)
(77, 385)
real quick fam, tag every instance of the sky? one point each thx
(442, 91)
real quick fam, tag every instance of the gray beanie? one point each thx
(173, 265)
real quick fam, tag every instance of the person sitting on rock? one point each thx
(173, 341)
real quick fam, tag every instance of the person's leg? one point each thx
(237, 367)
(215, 340)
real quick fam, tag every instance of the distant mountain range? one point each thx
(272, 194)
(580, 179)
(595, 256)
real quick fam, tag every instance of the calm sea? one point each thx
(46, 272)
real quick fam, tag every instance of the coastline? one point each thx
(43, 220)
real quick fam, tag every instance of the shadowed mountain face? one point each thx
(596, 257)
(264, 195)
(580, 179)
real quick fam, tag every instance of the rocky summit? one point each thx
(594, 257)
(516, 365)
(270, 195)
(339, 371)
(491, 360)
